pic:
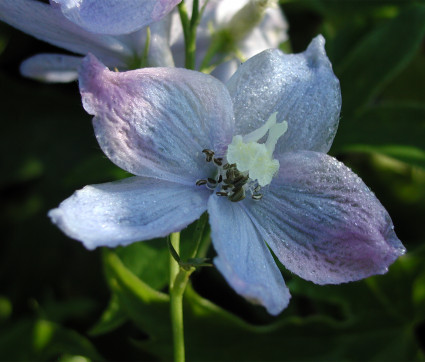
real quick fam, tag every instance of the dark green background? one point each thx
(53, 292)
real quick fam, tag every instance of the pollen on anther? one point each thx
(201, 182)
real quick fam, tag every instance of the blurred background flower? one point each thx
(222, 43)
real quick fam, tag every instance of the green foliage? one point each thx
(40, 339)
(379, 314)
(393, 129)
(360, 78)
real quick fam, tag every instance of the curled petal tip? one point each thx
(316, 53)
(91, 64)
(91, 82)
(54, 215)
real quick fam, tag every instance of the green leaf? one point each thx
(212, 333)
(5, 308)
(112, 318)
(40, 339)
(344, 7)
(395, 130)
(148, 260)
(381, 55)
(60, 311)
(147, 307)
(409, 85)
(58, 340)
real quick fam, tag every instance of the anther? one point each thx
(257, 197)
(211, 184)
(218, 161)
(238, 195)
(221, 193)
(208, 154)
(201, 182)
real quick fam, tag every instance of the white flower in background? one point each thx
(243, 27)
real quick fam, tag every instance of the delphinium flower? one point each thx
(115, 31)
(252, 153)
(233, 31)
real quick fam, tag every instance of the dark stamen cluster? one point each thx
(232, 184)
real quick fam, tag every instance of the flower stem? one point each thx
(178, 282)
(189, 31)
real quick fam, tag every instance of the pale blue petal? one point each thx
(56, 68)
(157, 121)
(302, 88)
(115, 16)
(47, 23)
(122, 212)
(159, 51)
(322, 221)
(243, 257)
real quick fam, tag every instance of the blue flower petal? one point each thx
(115, 16)
(243, 257)
(155, 122)
(302, 88)
(51, 67)
(134, 209)
(322, 221)
(47, 23)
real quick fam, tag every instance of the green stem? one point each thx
(178, 282)
(189, 31)
(144, 62)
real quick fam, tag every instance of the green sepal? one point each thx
(195, 241)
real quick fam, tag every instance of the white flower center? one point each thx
(257, 158)
(250, 165)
